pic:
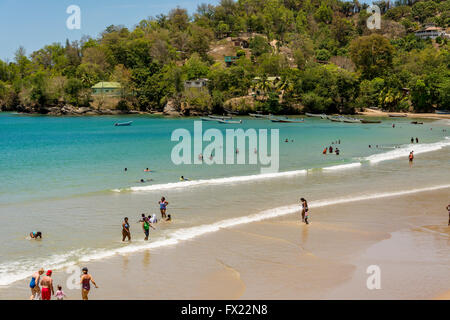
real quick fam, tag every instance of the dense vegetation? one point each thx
(321, 50)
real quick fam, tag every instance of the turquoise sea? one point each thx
(65, 176)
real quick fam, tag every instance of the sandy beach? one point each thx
(379, 113)
(282, 258)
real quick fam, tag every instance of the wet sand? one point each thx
(282, 258)
(379, 113)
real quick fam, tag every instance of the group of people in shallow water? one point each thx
(147, 222)
(330, 149)
(42, 286)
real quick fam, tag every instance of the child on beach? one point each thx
(60, 293)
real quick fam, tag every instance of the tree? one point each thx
(372, 55)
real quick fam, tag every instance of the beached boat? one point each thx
(370, 121)
(351, 120)
(288, 120)
(230, 121)
(442, 111)
(316, 115)
(219, 117)
(260, 116)
(123, 124)
(397, 115)
(336, 119)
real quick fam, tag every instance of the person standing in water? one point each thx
(163, 206)
(411, 157)
(126, 230)
(85, 282)
(47, 286)
(305, 210)
(417, 140)
(448, 209)
(412, 140)
(146, 225)
(34, 284)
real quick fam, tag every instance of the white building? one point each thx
(431, 32)
(197, 83)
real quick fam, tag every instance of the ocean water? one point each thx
(65, 176)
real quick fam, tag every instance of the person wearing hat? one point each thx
(47, 286)
(85, 282)
(34, 284)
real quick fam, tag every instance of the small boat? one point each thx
(208, 119)
(397, 115)
(288, 120)
(336, 119)
(316, 115)
(123, 124)
(442, 112)
(229, 121)
(261, 116)
(219, 117)
(351, 120)
(370, 121)
(415, 122)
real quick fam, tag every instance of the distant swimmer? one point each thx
(417, 140)
(330, 149)
(305, 210)
(47, 286)
(85, 282)
(325, 150)
(337, 151)
(412, 140)
(339, 141)
(169, 217)
(163, 207)
(34, 284)
(182, 178)
(286, 140)
(35, 235)
(126, 233)
(411, 156)
(147, 170)
(393, 125)
(142, 180)
(370, 146)
(125, 169)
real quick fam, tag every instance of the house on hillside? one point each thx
(431, 32)
(240, 42)
(113, 89)
(197, 83)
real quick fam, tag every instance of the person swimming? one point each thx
(169, 217)
(182, 178)
(337, 151)
(147, 170)
(126, 169)
(35, 235)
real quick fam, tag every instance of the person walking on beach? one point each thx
(34, 284)
(60, 293)
(85, 282)
(304, 210)
(126, 230)
(47, 286)
(163, 206)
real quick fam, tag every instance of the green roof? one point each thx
(104, 84)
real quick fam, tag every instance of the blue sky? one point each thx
(33, 24)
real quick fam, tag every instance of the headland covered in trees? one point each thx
(274, 56)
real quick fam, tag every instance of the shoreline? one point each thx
(94, 112)
(281, 258)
